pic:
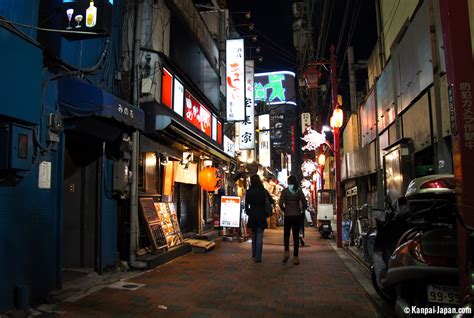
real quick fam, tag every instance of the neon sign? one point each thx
(275, 87)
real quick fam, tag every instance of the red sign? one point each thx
(197, 114)
(219, 133)
(206, 121)
(167, 89)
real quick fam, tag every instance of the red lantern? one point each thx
(210, 179)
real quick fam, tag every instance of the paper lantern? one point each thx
(337, 118)
(210, 179)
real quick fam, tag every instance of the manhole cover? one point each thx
(125, 285)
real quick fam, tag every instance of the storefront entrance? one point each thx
(81, 179)
(186, 204)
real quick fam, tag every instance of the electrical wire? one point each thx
(49, 30)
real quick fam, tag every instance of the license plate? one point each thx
(325, 226)
(443, 294)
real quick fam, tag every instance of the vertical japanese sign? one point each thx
(305, 122)
(229, 147)
(214, 127)
(456, 19)
(235, 80)
(264, 140)
(178, 97)
(247, 128)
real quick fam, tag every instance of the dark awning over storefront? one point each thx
(77, 98)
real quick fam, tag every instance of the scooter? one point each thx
(325, 229)
(414, 256)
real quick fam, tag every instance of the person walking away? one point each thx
(293, 204)
(255, 200)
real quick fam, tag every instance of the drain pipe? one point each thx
(134, 206)
(134, 226)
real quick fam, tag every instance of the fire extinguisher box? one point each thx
(17, 147)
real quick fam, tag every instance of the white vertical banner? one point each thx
(305, 122)
(264, 140)
(235, 80)
(247, 128)
(229, 147)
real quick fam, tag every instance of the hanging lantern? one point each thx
(322, 159)
(311, 76)
(337, 118)
(210, 179)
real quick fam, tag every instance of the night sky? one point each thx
(273, 21)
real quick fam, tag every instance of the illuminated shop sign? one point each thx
(235, 80)
(230, 212)
(167, 88)
(178, 97)
(275, 87)
(264, 140)
(175, 96)
(69, 1)
(84, 19)
(214, 127)
(229, 147)
(219, 133)
(247, 128)
(197, 114)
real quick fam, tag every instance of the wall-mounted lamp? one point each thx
(207, 163)
(247, 14)
(164, 159)
(250, 26)
(252, 38)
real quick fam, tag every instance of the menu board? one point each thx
(155, 228)
(230, 211)
(170, 223)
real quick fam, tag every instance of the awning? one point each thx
(77, 98)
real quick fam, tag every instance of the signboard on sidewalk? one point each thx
(230, 211)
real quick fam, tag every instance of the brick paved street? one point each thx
(227, 283)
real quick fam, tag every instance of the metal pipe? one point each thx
(337, 155)
(134, 226)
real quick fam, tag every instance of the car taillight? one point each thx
(438, 184)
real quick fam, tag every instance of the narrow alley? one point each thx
(226, 282)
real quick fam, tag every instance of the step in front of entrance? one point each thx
(153, 261)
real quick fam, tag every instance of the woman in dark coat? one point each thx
(255, 208)
(292, 203)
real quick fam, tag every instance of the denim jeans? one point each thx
(293, 224)
(257, 243)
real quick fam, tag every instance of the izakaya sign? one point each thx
(176, 97)
(264, 140)
(247, 128)
(197, 114)
(275, 87)
(235, 80)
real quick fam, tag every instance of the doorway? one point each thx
(80, 219)
(186, 198)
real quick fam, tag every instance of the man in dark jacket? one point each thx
(255, 201)
(293, 204)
